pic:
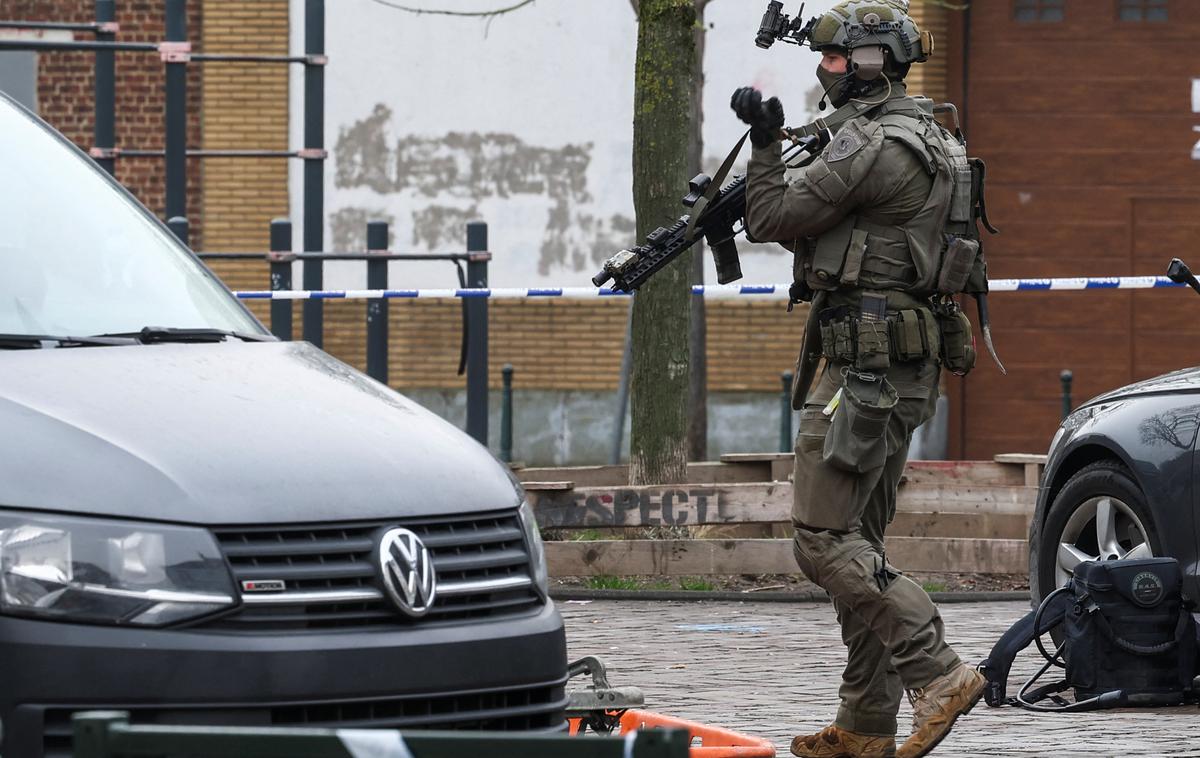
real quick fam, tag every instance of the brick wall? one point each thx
(245, 107)
(66, 92)
(929, 78)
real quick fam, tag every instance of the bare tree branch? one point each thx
(434, 12)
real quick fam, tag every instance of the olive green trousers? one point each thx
(892, 631)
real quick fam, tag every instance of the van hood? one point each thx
(228, 433)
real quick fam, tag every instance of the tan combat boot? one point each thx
(937, 705)
(832, 742)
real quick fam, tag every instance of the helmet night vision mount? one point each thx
(777, 26)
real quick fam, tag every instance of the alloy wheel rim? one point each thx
(1102, 528)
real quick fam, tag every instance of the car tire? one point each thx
(1071, 532)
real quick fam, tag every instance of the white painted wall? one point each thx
(542, 99)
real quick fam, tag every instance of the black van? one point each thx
(203, 525)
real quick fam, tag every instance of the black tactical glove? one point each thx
(799, 292)
(765, 119)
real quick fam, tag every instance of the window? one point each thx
(80, 256)
(1142, 10)
(1033, 11)
(18, 76)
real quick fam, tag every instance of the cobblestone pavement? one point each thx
(772, 670)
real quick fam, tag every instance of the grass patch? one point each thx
(692, 584)
(604, 582)
(586, 535)
(933, 586)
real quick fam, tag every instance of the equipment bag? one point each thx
(1128, 639)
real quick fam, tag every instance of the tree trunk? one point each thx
(664, 80)
(698, 389)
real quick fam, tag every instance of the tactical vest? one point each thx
(934, 252)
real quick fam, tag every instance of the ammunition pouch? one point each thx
(857, 437)
(957, 263)
(958, 343)
(871, 345)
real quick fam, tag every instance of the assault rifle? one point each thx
(716, 212)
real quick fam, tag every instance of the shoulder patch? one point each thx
(846, 142)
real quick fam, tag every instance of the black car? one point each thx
(1120, 482)
(203, 525)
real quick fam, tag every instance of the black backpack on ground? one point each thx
(1128, 639)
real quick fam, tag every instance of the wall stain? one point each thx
(436, 226)
(471, 166)
(348, 227)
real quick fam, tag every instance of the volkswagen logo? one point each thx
(407, 571)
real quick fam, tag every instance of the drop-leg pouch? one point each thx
(857, 438)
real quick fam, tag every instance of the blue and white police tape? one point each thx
(778, 291)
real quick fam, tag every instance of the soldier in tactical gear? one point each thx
(868, 221)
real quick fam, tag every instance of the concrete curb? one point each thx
(567, 593)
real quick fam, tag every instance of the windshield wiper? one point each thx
(34, 341)
(148, 335)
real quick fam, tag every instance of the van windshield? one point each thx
(80, 257)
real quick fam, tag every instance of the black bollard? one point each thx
(785, 414)
(281, 257)
(506, 414)
(1066, 377)
(377, 307)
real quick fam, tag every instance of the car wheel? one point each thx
(1100, 514)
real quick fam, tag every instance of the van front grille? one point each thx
(329, 574)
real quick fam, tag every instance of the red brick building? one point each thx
(1085, 113)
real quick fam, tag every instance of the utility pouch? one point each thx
(873, 346)
(914, 335)
(958, 343)
(957, 263)
(829, 256)
(961, 207)
(857, 437)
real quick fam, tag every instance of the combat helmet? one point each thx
(860, 28)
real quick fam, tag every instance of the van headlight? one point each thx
(537, 550)
(103, 571)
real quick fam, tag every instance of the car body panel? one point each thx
(229, 433)
(1182, 381)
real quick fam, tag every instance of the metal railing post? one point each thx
(618, 429)
(281, 257)
(1066, 377)
(314, 169)
(785, 414)
(506, 414)
(477, 327)
(179, 227)
(176, 113)
(104, 130)
(377, 308)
